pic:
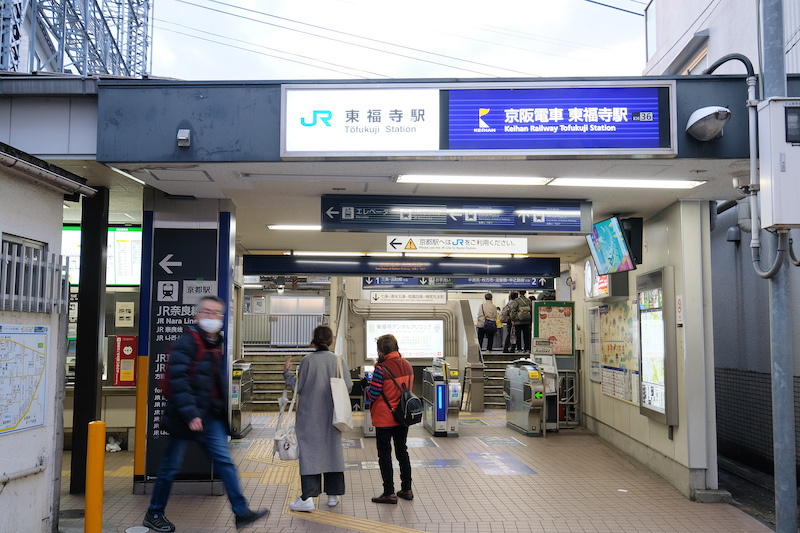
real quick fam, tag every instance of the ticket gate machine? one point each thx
(542, 355)
(366, 406)
(441, 397)
(523, 389)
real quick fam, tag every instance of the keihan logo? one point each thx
(324, 116)
(482, 113)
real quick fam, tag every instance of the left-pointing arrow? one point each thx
(394, 243)
(331, 211)
(166, 264)
(538, 395)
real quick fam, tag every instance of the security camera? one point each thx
(707, 123)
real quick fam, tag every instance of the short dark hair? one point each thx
(323, 337)
(488, 295)
(387, 344)
(213, 298)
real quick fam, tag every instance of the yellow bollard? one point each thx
(95, 465)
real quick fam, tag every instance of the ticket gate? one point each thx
(523, 389)
(441, 397)
(241, 399)
(369, 429)
(542, 355)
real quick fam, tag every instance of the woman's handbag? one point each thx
(285, 438)
(342, 410)
(489, 324)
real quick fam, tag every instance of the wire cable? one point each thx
(268, 48)
(615, 7)
(351, 35)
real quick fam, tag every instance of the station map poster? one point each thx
(554, 321)
(619, 331)
(23, 376)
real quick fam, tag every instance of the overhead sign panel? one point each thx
(572, 120)
(358, 121)
(408, 297)
(491, 215)
(456, 244)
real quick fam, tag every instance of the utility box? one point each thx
(779, 153)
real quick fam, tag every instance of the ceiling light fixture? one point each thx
(626, 183)
(118, 171)
(330, 254)
(295, 227)
(384, 254)
(472, 180)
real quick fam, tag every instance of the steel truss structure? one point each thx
(76, 36)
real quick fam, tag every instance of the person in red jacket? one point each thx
(382, 392)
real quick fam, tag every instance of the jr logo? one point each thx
(324, 116)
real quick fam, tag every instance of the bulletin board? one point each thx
(554, 321)
(619, 351)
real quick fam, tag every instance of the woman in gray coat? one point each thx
(319, 441)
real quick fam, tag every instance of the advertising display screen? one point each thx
(612, 119)
(609, 248)
(417, 339)
(651, 320)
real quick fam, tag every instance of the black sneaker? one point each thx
(158, 522)
(249, 517)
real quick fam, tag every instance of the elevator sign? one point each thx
(457, 244)
(385, 214)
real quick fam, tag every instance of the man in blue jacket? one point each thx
(197, 411)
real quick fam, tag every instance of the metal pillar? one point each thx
(91, 331)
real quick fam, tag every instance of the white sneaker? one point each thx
(333, 501)
(300, 504)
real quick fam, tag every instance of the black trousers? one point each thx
(384, 438)
(523, 337)
(311, 484)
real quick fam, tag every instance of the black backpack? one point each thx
(409, 409)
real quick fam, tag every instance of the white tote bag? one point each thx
(342, 411)
(285, 438)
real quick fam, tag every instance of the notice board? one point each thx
(555, 321)
(619, 349)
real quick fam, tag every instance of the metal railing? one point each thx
(31, 280)
(279, 329)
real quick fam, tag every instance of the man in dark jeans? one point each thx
(383, 393)
(197, 411)
(522, 316)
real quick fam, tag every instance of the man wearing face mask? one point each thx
(197, 411)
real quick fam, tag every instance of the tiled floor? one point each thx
(490, 479)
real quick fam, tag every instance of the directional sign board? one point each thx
(457, 244)
(408, 297)
(440, 215)
(446, 282)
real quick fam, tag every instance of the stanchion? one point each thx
(95, 465)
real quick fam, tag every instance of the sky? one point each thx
(376, 39)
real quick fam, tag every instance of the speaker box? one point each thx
(633, 234)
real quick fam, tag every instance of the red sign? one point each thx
(125, 360)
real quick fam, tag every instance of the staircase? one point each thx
(267, 367)
(494, 372)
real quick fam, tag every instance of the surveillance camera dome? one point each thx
(706, 123)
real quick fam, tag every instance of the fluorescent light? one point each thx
(252, 286)
(385, 254)
(118, 171)
(296, 227)
(473, 180)
(330, 254)
(480, 256)
(626, 183)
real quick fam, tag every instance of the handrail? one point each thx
(23, 473)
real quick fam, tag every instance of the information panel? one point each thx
(417, 339)
(548, 119)
(385, 214)
(23, 389)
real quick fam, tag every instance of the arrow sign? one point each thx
(394, 243)
(538, 395)
(330, 212)
(166, 263)
(369, 280)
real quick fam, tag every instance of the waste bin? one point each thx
(241, 399)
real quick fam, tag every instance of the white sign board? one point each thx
(23, 353)
(336, 121)
(457, 244)
(408, 297)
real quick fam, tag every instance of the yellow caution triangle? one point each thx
(410, 245)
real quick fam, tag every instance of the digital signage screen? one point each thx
(627, 119)
(123, 257)
(609, 248)
(417, 339)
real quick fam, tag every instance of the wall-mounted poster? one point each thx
(554, 321)
(619, 333)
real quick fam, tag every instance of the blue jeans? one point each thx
(215, 443)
